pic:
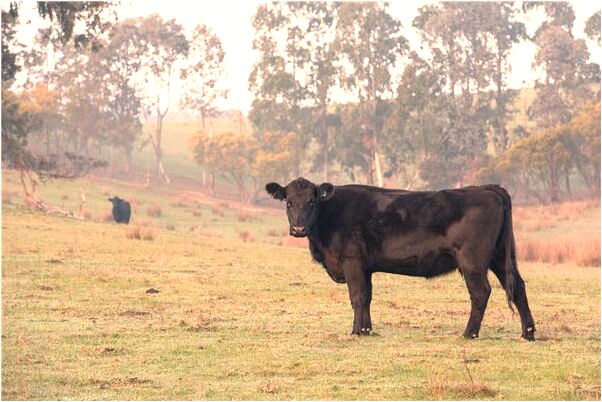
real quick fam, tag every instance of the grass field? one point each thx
(242, 313)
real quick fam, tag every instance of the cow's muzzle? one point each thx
(298, 231)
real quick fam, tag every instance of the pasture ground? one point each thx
(242, 313)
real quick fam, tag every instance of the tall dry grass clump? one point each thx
(585, 253)
(105, 217)
(217, 211)
(246, 236)
(153, 210)
(244, 216)
(139, 233)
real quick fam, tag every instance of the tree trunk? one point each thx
(156, 143)
(553, 184)
(325, 157)
(567, 180)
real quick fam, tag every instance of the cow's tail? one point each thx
(508, 244)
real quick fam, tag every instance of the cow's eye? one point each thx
(311, 203)
(289, 204)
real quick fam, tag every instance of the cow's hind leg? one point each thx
(479, 290)
(520, 298)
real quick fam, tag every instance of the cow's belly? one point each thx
(426, 266)
(420, 254)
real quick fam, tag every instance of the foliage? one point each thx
(202, 73)
(566, 74)
(165, 48)
(592, 27)
(370, 41)
(228, 153)
(544, 156)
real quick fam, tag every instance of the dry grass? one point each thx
(135, 202)
(246, 236)
(145, 223)
(217, 211)
(153, 210)
(274, 233)
(585, 253)
(443, 388)
(196, 213)
(104, 217)
(258, 321)
(139, 233)
(245, 216)
(7, 196)
(169, 226)
(551, 233)
(296, 242)
(179, 204)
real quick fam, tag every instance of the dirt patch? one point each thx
(133, 313)
(118, 382)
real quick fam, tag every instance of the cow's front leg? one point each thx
(359, 283)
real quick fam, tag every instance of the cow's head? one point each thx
(303, 199)
(115, 200)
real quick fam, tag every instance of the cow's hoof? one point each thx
(362, 332)
(529, 334)
(471, 336)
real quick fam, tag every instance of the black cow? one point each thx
(356, 230)
(121, 210)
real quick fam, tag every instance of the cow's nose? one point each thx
(298, 229)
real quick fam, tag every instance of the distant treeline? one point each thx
(429, 115)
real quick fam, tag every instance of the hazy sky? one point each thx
(231, 20)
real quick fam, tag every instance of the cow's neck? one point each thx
(327, 222)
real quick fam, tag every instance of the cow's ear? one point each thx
(325, 191)
(276, 191)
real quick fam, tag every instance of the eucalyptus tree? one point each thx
(291, 79)
(165, 48)
(563, 62)
(201, 76)
(203, 72)
(459, 46)
(370, 42)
